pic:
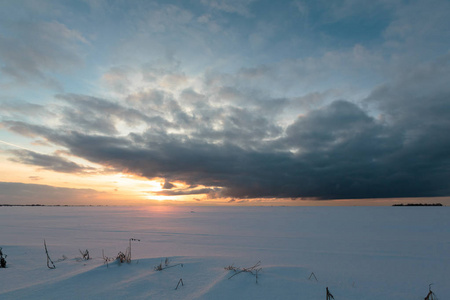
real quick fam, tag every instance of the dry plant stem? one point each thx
(252, 270)
(120, 257)
(166, 263)
(182, 284)
(167, 267)
(52, 266)
(159, 267)
(85, 254)
(431, 295)
(313, 275)
(106, 259)
(128, 257)
(63, 258)
(329, 295)
(231, 267)
(2, 259)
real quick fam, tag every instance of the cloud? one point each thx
(239, 7)
(326, 128)
(243, 100)
(21, 193)
(333, 150)
(47, 162)
(31, 51)
(26, 129)
(167, 185)
(422, 26)
(118, 78)
(19, 109)
(417, 109)
(92, 114)
(183, 192)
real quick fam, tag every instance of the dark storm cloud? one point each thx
(325, 128)
(47, 162)
(21, 193)
(341, 153)
(394, 144)
(183, 192)
(417, 109)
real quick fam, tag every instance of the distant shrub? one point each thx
(418, 204)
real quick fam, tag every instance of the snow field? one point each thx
(358, 252)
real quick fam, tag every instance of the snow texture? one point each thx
(357, 252)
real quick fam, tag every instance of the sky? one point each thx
(227, 102)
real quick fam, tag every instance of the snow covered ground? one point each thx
(357, 252)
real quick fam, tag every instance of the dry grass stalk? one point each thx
(252, 270)
(313, 275)
(431, 295)
(160, 267)
(50, 263)
(63, 258)
(231, 268)
(2, 259)
(85, 254)
(128, 251)
(107, 259)
(121, 257)
(329, 295)
(182, 284)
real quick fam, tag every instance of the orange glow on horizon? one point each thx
(128, 189)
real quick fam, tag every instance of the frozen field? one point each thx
(358, 252)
